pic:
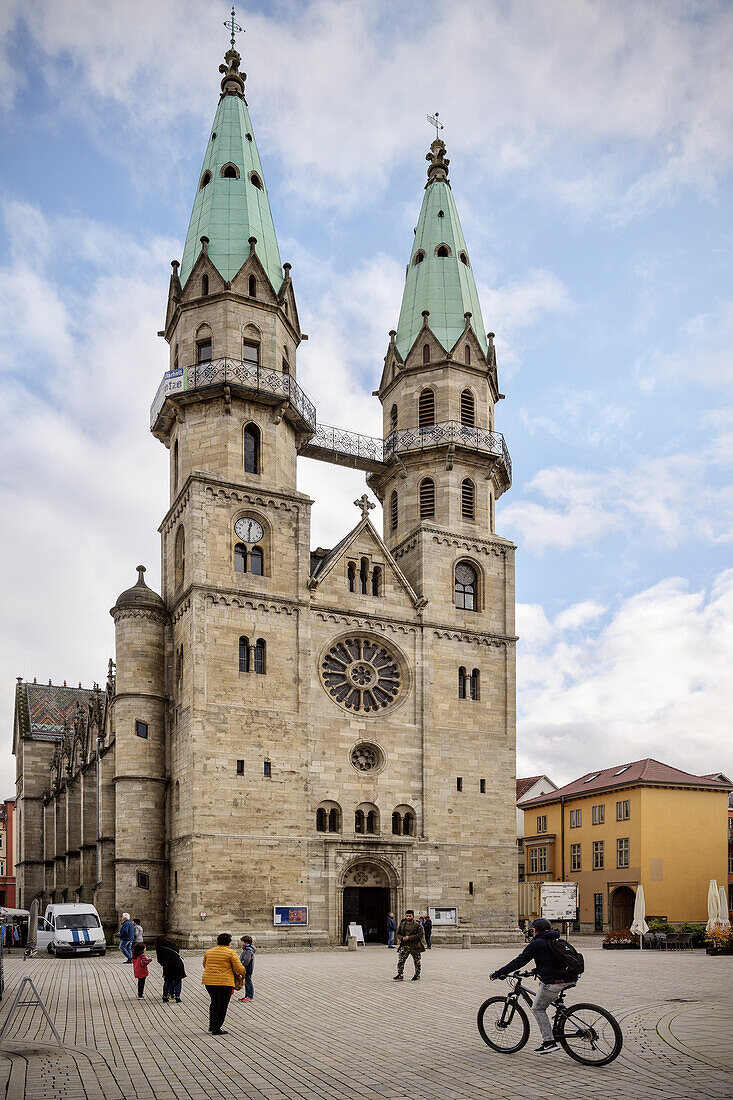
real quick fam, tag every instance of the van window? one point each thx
(65, 922)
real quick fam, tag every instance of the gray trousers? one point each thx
(546, 995)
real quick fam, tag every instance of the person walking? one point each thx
(247, 959)
(391, 929)
(412, 942)
(427, 926)
(127, 937)
(221, 966)
(140, 963)
(169, 957)
(137, 931)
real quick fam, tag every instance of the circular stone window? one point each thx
(362, 674)
(366, 757)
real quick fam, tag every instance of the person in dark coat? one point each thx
(127, 937)
(391, 929)
(427, 925)
(169, 957)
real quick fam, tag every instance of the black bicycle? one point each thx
(586, 1032)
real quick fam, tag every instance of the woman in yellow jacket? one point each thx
(220, 966)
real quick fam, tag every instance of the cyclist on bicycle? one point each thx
(538, 951)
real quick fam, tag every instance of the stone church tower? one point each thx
(296, 739)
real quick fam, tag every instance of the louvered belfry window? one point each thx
(468, 409)
(468, 499)
(427, 498)
(426, 409)
(394, 509)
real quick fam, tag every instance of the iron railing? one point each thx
(451, 431)
(328, 438)
(234, 372)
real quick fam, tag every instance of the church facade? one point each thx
(291, 740)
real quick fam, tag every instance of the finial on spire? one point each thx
(233, 26)
(439, 162)
(140, 575)
(365, 504)
(433, 120)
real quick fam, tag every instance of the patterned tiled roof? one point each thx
(45, 708)
(524, 785)
(648, 772)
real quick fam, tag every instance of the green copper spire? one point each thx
(231, 203)
(439, 276)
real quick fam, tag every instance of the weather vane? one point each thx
(233, 26)
(433, 120)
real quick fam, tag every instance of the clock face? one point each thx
(248, 530)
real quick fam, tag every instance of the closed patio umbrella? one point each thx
(713, 906)
(639, 924)
(723, 908)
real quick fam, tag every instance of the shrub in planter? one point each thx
(624, 938)
(661, 926)
(719, 941)
(697, 931)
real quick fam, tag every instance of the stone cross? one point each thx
(365, 504)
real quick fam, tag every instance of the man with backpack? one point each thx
(558, 966)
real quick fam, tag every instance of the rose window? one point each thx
(366, 758)
(361, 674)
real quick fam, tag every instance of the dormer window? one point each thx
(463, 258)
(418, 257)
(252, 287)
(256, 181)
(230, 172)
(442, 251)
(204, 285)
(205, 179)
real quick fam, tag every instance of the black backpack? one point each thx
(568, 962)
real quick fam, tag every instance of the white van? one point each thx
(73, 929)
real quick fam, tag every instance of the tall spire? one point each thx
(231, 203)
(439, 275)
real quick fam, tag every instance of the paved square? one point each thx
(333, 1025)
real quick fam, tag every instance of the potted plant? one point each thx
(620, 941)
(719, 941)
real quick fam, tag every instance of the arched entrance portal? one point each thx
(366, 900)
(622, 908)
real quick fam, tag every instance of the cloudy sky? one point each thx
(591, 146)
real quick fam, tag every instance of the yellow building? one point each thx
(641, 823)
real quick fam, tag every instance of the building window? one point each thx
(256, 561)
(393, 418)
(418, 257)
(574, 857)
(474, 684)
(599, 814)
(250, 353)
(459, 783)
(267, 769)
(465, 587)
(256, 181)
(175, 465)
(426, 353)
(230, 172)
(240, 767)
(364, 577)
(204, 286)
(442, 251)
(482, 786)
(623, 810)
(179, 557)
(203, 350)
(205, 180)
(372, 822)
(359, 821)
(334, 820)
(408, 824)
(468, 499)
(143, 880)
(252, 286)
(351, 576)
(597, 855)
(427, 498)
(252, 449)
(244, 654)
(286, 367)
(468, 404)
(462, 683)
(470, 888)
(175, 882)
(575, 819)
(259, 661)
(542, 823)
(240, 558)
(426, 403)
(396, 824)
(542, 861)
(393, 509)
(141, 729)
(622, 852)
(321, 820)
(463, 258)
(467, 354)
(377, 581)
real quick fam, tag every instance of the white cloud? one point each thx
(580, 416)
(518, 306)
(703, 353)
(652, 680)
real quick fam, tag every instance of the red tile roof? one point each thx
(649, 772)
(524, 785)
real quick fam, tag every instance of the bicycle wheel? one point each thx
(503, 1025)
(589, 1034)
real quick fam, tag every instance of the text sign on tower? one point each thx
(559, 900)
(290, 916)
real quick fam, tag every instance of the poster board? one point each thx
(559, 900)
(357, 931)
(290, 916)
(442, 915)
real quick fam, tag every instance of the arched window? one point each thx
(286, 366)
(252, 287)
(351, 575)
(426, 408)
(230, 172)
(468, 406)
(461, 683)
(251, 353)
(203, 349)
(364, 577)
(244, 654)
(393, 418)
(259, 661)
(463, 258)
(251, 449)
(177, 796)
(418, 257)
(372, 822)
(204, 285)
(205, 179)
(393, 509)
(475, 684)
(426, 353)
(467, 354)
(179, 664)
(465, 587)
(468, 499)
(240, 558)
(396, 823)
(256, 181)
(377, 581)
(427, 498)
(175, 465)
(180, 557)
(359, 822)
(256, 561)
(334, 820)
(321, 820)
(408, 824)
(442, 251)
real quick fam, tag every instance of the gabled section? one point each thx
(252, 279)
(393, 363)
(416, 355)
(286, 297)
(204, 279)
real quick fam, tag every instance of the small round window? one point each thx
(366, 757)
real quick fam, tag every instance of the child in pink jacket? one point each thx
(140, 967)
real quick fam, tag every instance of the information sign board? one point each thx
(559, 900)
(443, 914)
(290, 916)
(357, 931)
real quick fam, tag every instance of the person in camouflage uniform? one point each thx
(412, 942)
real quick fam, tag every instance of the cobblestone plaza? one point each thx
(332, 1025)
